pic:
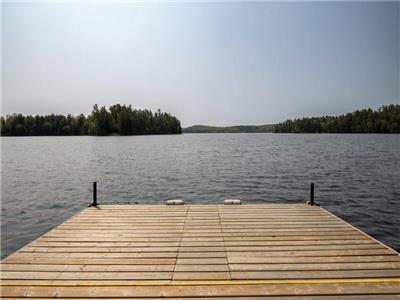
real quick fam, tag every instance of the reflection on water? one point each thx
(46, 180)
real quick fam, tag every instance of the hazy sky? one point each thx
(207, 63)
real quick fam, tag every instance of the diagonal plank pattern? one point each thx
(294, 251)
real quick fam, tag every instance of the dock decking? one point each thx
(271, 251)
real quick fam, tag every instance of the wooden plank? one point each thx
(279, 230)
(87, 268)
(284, 221)
(251, 233)
(300, 243)
(118, 231)
(312, 253)
(308, 238)
(89, 261)
(104, 239)
(228, 239)
(340, 297)
(203, 243)
(239, 258)
(314, 266)
(88, 250)
(201, 261)
(202, 275)
(87, 275)
(304, 247)
(201, 291)
(202, 254)
(137, 255)
(202, 249)
(99, 250)
(201, 268)
(113, 235)
(103, 244)
(332, 274)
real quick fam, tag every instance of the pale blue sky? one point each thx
(207, 63)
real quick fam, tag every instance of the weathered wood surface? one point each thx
(283, 251)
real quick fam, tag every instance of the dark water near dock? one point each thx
(46, 180)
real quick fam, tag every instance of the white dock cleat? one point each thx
(175, 202)
(232, 202)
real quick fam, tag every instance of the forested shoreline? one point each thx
(386, 119)
(124, 120)
(115, 120)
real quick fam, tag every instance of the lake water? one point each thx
(46, 180)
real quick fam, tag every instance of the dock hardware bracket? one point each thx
(312, 202)
(94, 203)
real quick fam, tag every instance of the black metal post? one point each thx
(312, 194)
(94, 194)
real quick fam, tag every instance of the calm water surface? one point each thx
(46, 180)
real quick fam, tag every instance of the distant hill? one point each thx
(229, 129)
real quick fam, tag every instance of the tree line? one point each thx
(229, 129)
(386, 119)
(116, 120)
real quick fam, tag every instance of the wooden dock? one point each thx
(271, 251)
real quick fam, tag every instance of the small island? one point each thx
(116, 120)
